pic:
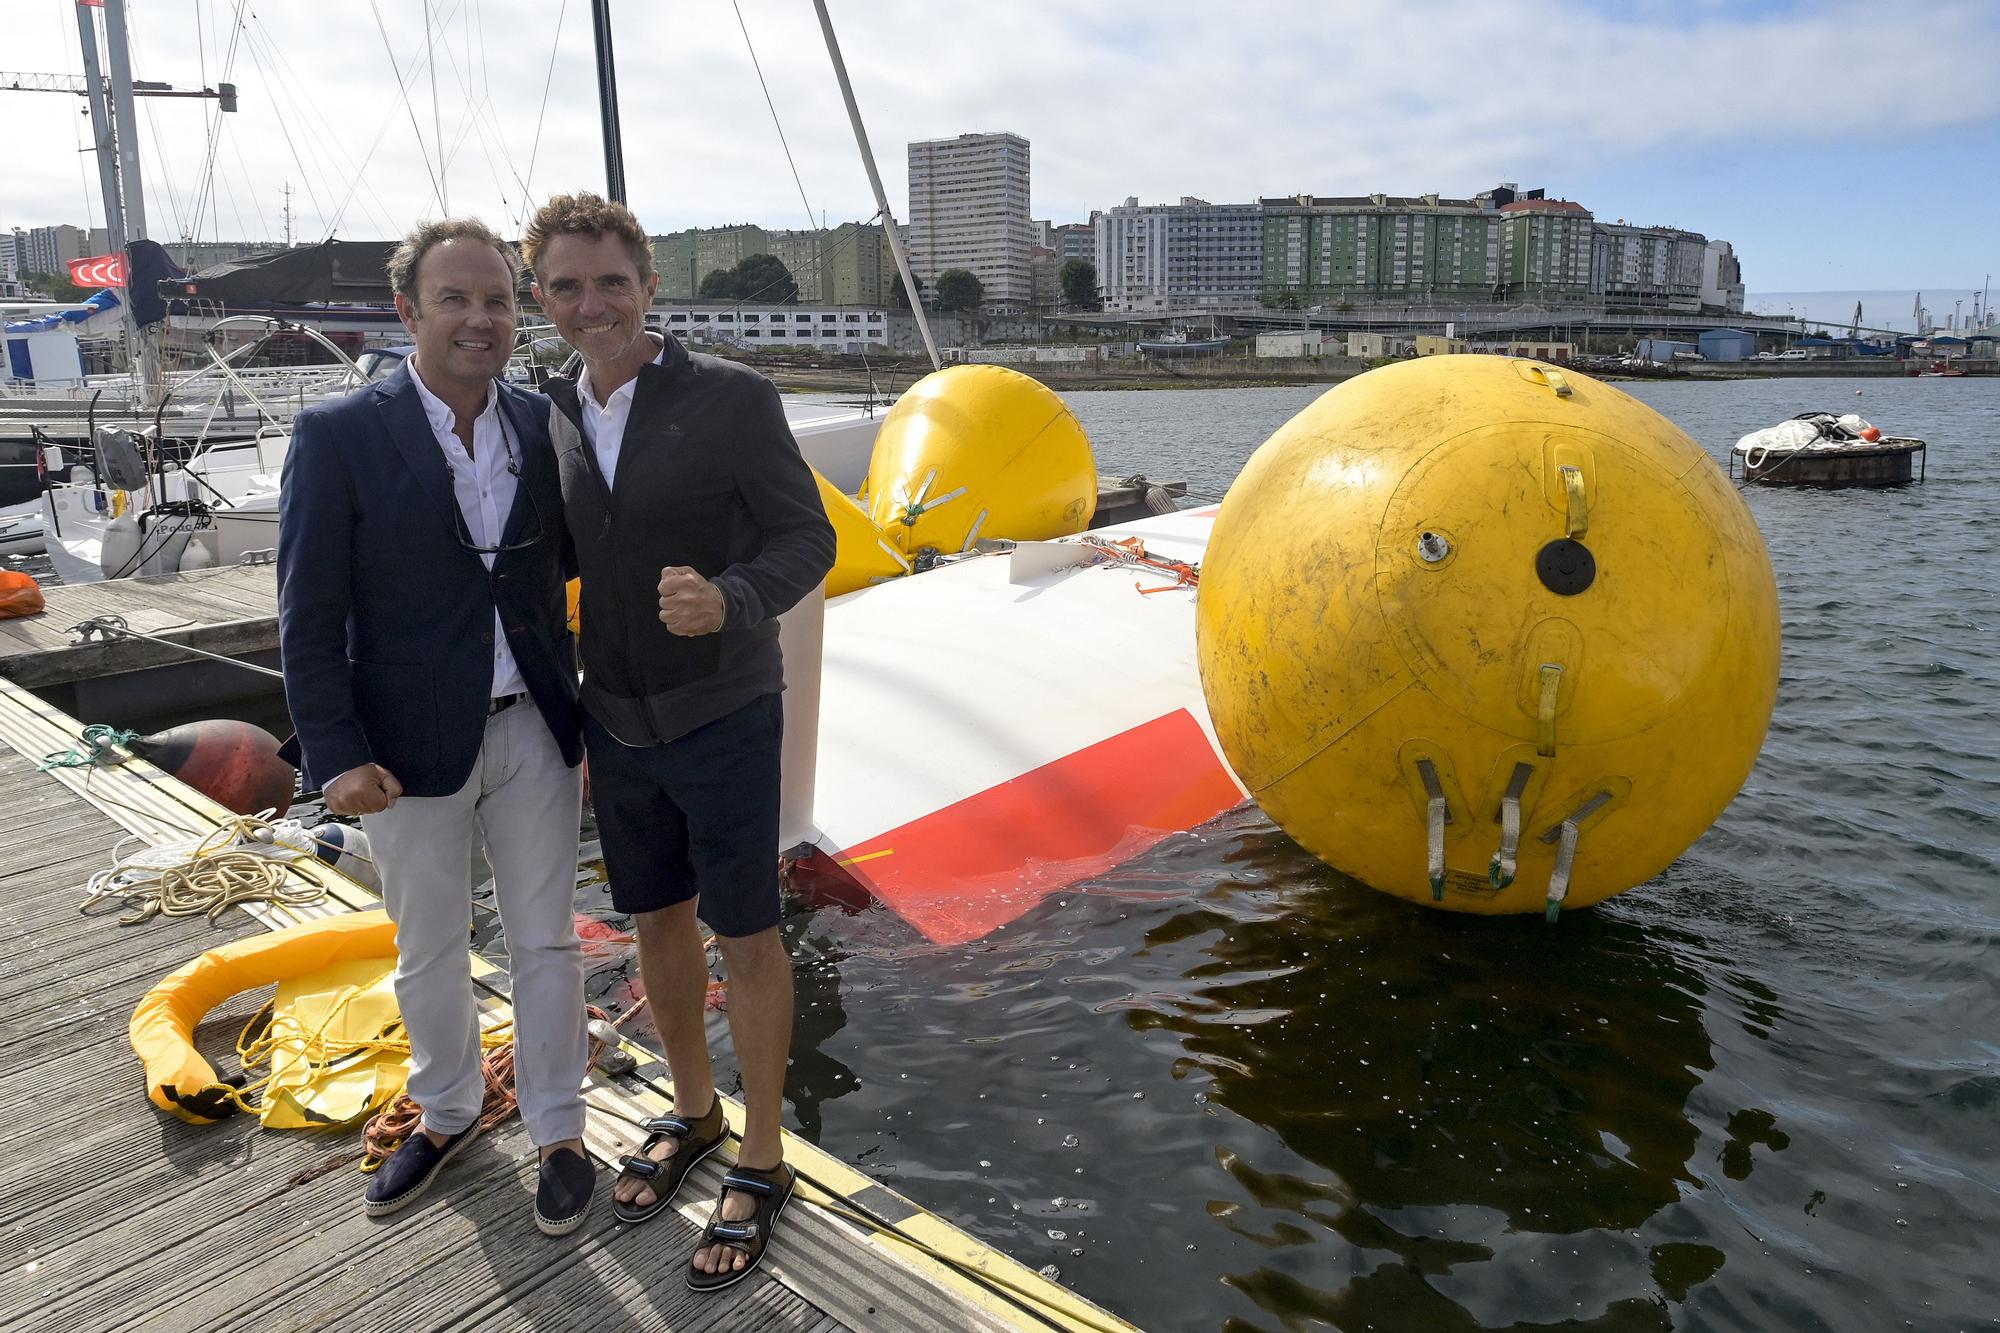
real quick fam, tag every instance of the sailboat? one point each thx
(214, 500)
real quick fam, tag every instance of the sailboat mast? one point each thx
(607, 102)
(123, 109)
(875, 179)
(100, 128)
(116, 130)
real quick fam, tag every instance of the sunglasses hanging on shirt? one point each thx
(464, 533)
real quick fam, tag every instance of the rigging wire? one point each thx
(481, 117)
(548, 79)
(234, 210)
(758, 66)
(278, 113)
(207, 195)
(359, 176)
(83, 153)
(436, 189)
(263, 223)
(166, 171)
(485, 67)
(323, 130)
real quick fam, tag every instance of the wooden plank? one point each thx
(31, 634)
(231, 611)
(30, 828)
(406, 1285)
(116, 656)
(200, 1227)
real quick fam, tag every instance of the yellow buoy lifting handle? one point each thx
(1501, 872)
(1578, 502)
(1545, 375)
(1435, 816)
(1545, 719)
(1565, 863)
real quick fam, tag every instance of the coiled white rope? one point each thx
(244, 860)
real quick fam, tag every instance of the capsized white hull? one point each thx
(995, 730)
(837, 441)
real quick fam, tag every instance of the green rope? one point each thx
(99, 740)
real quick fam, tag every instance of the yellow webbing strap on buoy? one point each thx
(1435, 815)
(1500, 873)
(1565, 862)
(1545, 716)
(1578, 507)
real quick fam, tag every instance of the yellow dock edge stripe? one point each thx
(153, 805)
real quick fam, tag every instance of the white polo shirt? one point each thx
(484, 481)
(604, 423)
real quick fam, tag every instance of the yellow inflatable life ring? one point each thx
(327, 1035)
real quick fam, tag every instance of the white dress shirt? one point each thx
(604, 422)
(484, 482)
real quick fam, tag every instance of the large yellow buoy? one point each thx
(979, 451)
(862, 555)
(1488, 635)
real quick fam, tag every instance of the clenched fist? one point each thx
(689, 603)
(367, 790)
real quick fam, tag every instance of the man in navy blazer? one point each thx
(431, 676)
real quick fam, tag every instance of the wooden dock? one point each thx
(232, 612)
(115, 1216)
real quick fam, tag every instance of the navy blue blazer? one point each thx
(385, 620)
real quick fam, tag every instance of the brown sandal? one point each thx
(696, 1139)
(752, 1235)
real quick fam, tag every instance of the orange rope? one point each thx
(1132, 550)
(387, 1129)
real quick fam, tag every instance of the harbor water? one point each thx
(1224, 1088)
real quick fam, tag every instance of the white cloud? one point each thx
(1228, 102)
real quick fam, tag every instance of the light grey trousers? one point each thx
(524, 802)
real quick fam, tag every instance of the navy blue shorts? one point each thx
(694, 818)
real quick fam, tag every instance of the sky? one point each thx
(1839, 146)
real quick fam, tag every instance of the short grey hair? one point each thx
(403, 260)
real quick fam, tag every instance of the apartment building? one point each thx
(49, 249)
(969, 210)
(1379, 248)
(1074, 240)
(1657, 268)
(1189, 256)
(1545, 251)
(1721, 277)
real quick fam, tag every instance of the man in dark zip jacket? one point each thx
(696, 524)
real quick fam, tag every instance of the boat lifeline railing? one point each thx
(346, 372)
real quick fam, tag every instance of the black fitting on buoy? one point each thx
(1566, 567)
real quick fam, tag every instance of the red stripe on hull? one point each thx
(959, 873)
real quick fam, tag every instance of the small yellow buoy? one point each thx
(862, 555)
(1488, 635)
(979, 451)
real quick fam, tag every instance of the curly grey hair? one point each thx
(403, 260)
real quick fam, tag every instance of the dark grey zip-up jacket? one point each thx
(708, 477)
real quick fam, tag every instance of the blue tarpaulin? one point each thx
(151, 265)
(101, 304)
